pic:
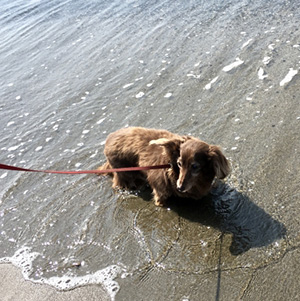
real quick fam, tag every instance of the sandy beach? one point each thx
(15, 288)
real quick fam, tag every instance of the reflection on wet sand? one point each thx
(201, 238)
(230, 211)
(249, 224)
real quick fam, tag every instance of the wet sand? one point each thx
(237, 284)
(15, 288)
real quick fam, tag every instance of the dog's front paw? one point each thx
(159, 203)
(158, 200)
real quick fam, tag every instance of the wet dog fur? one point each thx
(193, 163)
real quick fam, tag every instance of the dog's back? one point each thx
(130, 147)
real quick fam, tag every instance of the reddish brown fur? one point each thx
(194, 163)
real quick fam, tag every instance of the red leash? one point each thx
(9, 167)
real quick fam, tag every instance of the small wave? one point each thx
(24, 257)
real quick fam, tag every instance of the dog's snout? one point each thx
(180, 184)
(180, 187)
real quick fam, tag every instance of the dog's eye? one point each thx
(195, 167)
(179, 163)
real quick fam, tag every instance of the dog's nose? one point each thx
(180, 188)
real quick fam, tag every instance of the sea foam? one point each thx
(24, 257)
(288, 77)
(233, 65)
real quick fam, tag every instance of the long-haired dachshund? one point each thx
(193, 163)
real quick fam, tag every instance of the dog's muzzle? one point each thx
(181, 188)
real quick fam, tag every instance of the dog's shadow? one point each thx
(231, 211)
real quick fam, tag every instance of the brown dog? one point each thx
(194, 163)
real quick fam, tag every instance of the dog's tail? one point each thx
(105, 166)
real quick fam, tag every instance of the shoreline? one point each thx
(15, 288)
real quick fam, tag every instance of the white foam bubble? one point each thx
(168, 95)
(208, 86)
(193, 75)
(261, 74)
(246, 43)
(39, 148)
(55, 127)
(233, 65)
(288, 77)
(105, 277)
(266, 60)
(23, 258)
(128, 85)
(10, 123)
(100, 121)
(140, 95)
(271, 46)
(3, 175)
(13, 148)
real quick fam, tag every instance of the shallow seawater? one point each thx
(71, 73)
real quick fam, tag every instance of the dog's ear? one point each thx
(171, 147)
(220, 163)
(170, 142)
(161, 141)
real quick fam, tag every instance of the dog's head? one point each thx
(198, 163)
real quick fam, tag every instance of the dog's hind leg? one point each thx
(129, 180)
